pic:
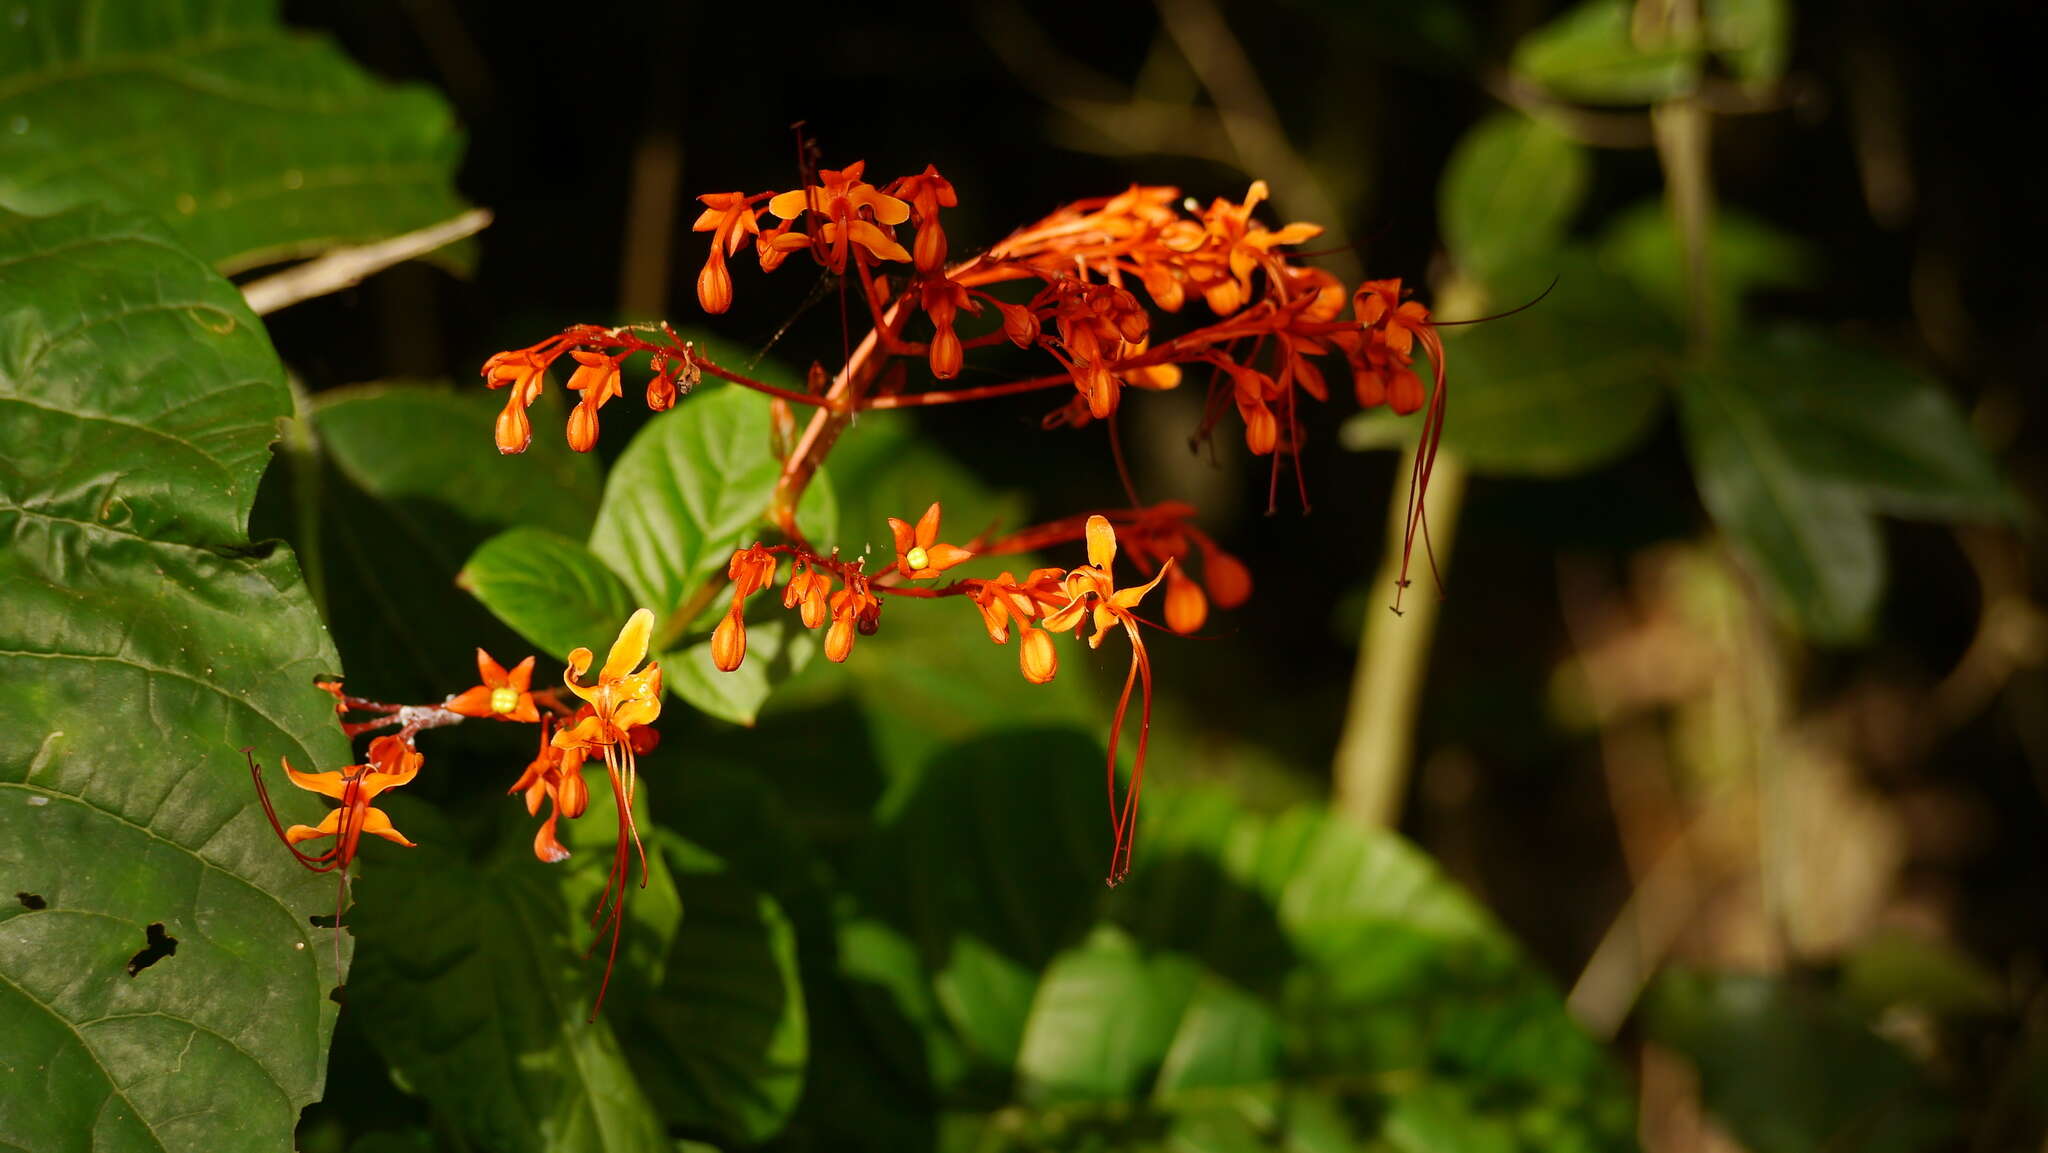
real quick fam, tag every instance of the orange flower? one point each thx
(854, 610)
(393, 763)
(927, 192)
(554, 775)
(619, 701)
(918, 557)
(1093, 593)
(502, 695)
(751, 570)
(730, 221)
(841, 199)
(523, 371)
(597, 379)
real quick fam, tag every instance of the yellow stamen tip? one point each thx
(917, 558)
(504, 699)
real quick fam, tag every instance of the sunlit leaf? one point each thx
(143, 644)
(551, 589)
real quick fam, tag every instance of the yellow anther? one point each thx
(917, 558)
(504, 699)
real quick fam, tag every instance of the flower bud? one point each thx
(839, 639)
(546, 847)
(661, 392)
(1230, 583)
(1186, 607)
(1261, 431)
(643, 740)
(1020, 324)
(583, 427)
(572, 796)
(929, 250)
(1405, 395)
(1036, 656)
(946, 353)
(714, 284)
(515, 431)
(729, 643)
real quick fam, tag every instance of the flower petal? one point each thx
(326, 828)
(378, 824)
(1101, 543)
(631, 647)
(325, 784)
(928, 526)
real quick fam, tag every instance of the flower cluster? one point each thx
(1045, 602)
(610, 726)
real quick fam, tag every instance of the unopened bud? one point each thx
(729, 643)
(583, 427)
(839, 640)
(1186, 607)
(946, 354)
(714, 284)
(1230, 583)
(572, 796)
(515, 430)
(1036, 656)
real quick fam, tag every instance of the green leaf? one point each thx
(1509, 192)
(1253, 972)
(1752, 37)
(394, 488)
(1589, 53)
(778, 647)
(1744, 254)
(554, 591)
(1789, 1070)
(1853, 416)
(1796, 438)
(685, 493)
(473, 978)
(143, 643)
(1563, 388)
(720, 1046)
(1813, 544)
(253, 143)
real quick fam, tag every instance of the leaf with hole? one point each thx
(160, 952)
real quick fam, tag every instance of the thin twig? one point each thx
(346, 267)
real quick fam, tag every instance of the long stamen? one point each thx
(1119, 862)
(318, 864)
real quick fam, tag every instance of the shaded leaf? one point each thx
(1814, 544)
(472, 963)
(720, 1045)
(1744, 254)
(393, 489)
(252, 143)
(1253, 971)
(1788, 1070)
(778, 647)
(1562, 388)
(143, 643)
(1589, 53)
(1509, 192)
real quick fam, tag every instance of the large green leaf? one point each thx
(1796, 438)
(1279, 979)
(1790, 1070)
(1573, 382)
(143, 643)
(1509, 192)
(474, 986)
(253, 143)
(686, 492)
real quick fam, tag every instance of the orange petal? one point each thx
(325, 784)
(631, 647)
(489, 670)
(1101, 543)
(941, 557)
(545, 846)
(790, 205)
(378, 824)
(904, 535)
(327, 827)
(928, 526)
(470, 702)
(873, 239)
